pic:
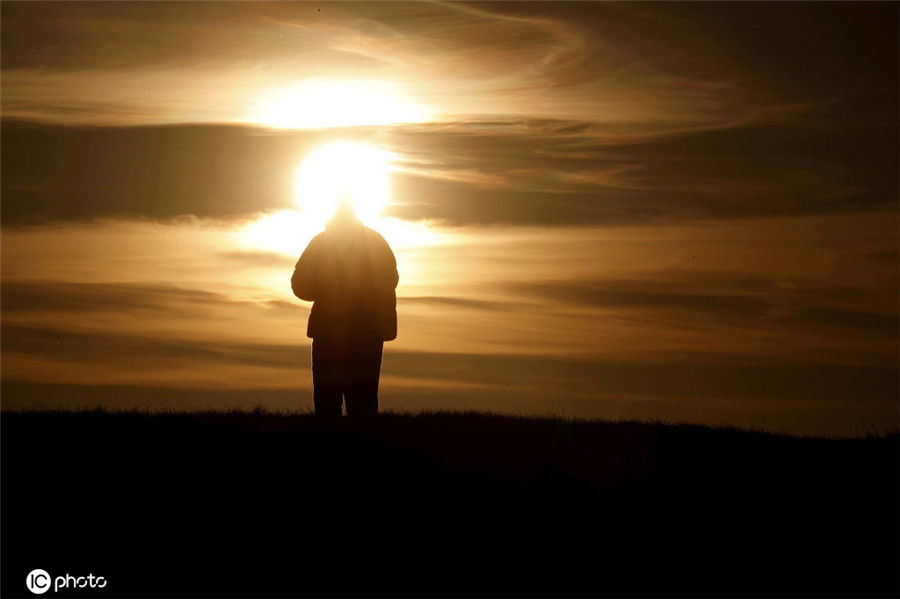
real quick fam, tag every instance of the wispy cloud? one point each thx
(631, 67)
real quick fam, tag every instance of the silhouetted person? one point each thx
(350, 273)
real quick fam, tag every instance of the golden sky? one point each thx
(633, 210)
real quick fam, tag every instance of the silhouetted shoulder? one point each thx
(319, 239)
(377, 245)
(376, 237)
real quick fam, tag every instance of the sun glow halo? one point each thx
(319, 103)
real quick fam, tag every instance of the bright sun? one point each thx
(338, 171)
(343, 171)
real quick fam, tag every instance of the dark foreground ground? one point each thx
(259, 504)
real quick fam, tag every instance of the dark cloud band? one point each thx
(520, 173)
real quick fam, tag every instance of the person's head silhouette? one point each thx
(344, 216)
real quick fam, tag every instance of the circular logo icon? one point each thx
(38, 581)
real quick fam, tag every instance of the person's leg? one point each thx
(362, 394)
(327, 401)
(326, 387)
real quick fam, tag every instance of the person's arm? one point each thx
(304, 280)
(390, 262)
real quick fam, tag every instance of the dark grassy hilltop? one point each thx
(258, 504)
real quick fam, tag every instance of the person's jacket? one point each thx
(350, 274)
